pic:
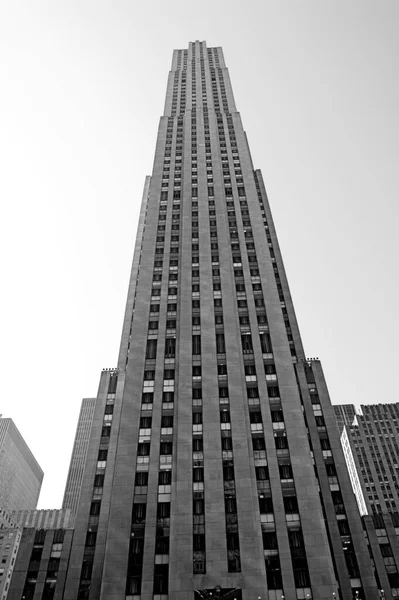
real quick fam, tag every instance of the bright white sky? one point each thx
(82, 90)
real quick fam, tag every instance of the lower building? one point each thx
(41, 566)
(382, 536)
(9, 545)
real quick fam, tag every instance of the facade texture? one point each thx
(20, 474)
(374, 435)
(214, 457)
(42, 519)
(41, 565)
(9, 543)
(78, 458)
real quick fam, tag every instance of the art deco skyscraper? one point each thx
(214, 457)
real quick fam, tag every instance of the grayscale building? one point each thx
(41, 564)
(214, 467)
(78, 458)
(20, 474)
(43, 519)
(373, 433)
(9, 543)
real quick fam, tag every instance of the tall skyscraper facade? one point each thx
(78, 458)
(214, 467)
(20, 474)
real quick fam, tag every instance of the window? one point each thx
(291, 505)
(255, 417)
(139, 513)
(220, 343)
(227, 443)
(246, 341)
(151, 351)
(95, 508)
(222, 369)
(281, 442)
(141, 478)
(145, 422)
(147, 398)
(143, 449)
(230, 505)
(167, 421)
(285, 472)
(164, 477)
(198, 507)
(168, 397)
(228, 472)
(196, 344)
(258, 443)
(265, 343)
(262, 473)
(102, 455)
(199, 542)
(170, 347)
(197, 444)
(197, 393)
(198, 474)
(166, 448)
(163, 510)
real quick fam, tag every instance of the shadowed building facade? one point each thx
(214, 457)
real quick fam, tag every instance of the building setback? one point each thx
(214, 457)
(20, 474)
(78, 458)
(43, 519)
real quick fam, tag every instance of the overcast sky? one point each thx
(82, 89)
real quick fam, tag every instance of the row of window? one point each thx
(53, 564)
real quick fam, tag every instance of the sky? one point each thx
(82, 89)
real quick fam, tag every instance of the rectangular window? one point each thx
(151, 351)
(196, 344)
(220, 343)
(170, 347)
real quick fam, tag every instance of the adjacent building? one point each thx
(41, 565)
(373, 433)
(78, 458)
(9, 543)
(214, 467)
(20, 474)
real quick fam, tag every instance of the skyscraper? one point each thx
(214, 464)
(20, 474)
(372, 432)
(78, 458)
